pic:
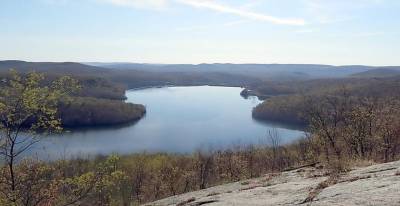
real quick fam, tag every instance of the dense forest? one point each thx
(89, 111)
(287, 100)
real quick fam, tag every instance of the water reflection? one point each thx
(178, 119)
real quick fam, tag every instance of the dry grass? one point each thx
(186, 201)
(316, 173)
(353, 179)
(357, 163)
(321, 186)
(213, 194)
(249, 188)
(382, 170)
(245, 183)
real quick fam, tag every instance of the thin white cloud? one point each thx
(210, 5)
(146, 4)
(251, 4)
(214, 6)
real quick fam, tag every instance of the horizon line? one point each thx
(196, 64)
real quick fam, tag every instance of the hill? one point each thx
(267, 71)
(380, 72)
(134, 75)
(60, 68)
(131, 78)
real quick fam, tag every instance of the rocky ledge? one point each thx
(373, 185)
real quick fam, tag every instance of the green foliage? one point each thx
(26, 107)
(30, 104)
(26, 103)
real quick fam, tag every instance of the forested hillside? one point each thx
(289, 103)
(99, 101)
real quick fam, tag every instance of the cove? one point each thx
(178, 120)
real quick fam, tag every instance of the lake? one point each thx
(178, 119)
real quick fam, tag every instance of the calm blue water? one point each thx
(178, 119)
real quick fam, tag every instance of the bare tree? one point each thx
(203, 164)
(388, 128)
(327, 116)
(274, 141)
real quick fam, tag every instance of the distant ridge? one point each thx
(62, 68)
(293, 70)
(135, 74)
(379, 72)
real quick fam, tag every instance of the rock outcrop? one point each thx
(373, 185)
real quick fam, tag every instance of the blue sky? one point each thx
(338, 32)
